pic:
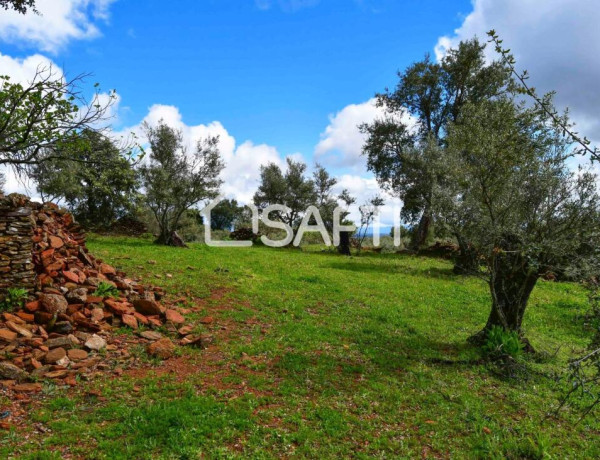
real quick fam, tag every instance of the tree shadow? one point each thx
(430, 272)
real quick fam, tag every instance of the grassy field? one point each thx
(322, 356)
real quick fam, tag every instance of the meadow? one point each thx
(318, 355)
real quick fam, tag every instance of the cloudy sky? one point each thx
(277, 78)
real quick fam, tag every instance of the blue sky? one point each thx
(272, 74)
(290, 77)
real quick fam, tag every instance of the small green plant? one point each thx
(105, 289)
(15, 297)
(501, 343)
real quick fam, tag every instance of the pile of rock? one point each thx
(68, 328)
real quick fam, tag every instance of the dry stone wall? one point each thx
(16, 232)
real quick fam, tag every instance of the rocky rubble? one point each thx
(67, 330)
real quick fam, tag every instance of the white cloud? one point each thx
(242, 162)
(341, 142)
(59, 22)
(557, 41)
(22, 70)
(363, 189)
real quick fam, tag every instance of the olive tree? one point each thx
(175, 179)
(292, 189)
(95, 179)
(429, 95)
(510, 192)
(38, 118)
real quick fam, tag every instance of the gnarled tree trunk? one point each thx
(511, 284)
(344, 247)
(467, 260)
(170, 239)
(421, 234)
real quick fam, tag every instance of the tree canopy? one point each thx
(291, 189)
(38, 119)
(511, 194)
(175, 179)
(97, 183)
(405, 148)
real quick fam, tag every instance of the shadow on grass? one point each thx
(429, 272)
(374, 355)
(123, 241)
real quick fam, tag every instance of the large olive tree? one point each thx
(511, 193)
(407, 153)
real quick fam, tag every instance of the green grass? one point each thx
(324, 356)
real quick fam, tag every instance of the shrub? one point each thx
(244, 234)
(15, 297)
(105, 289)
(501, 344)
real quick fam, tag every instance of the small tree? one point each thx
(175, 180)
(98, 183)
(346, 200)
(225, 215)
(326, 201)
(291, 189)
(368, 212)
(512, 195)
(38, 119)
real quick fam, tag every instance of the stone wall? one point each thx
(16, 231)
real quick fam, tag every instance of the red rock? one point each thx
(141, 318)
(147, 307)
(71, 276)
(94, 299)
(77, 354)
(162, 348)
(13, 318)
(74, 308)
(59, 374)
(207, 320)
(47, 253)
(97, 314)
(28, 387)
(54, 267)
(155, 321)
(19, 329)
(130, 321)
(106, 269)
(32, 306)
(185, 330)
(43, 317)
(55, 355)
(118, 308)
(7, 335)
(56, 242)
(174, 316)
(27, 317)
